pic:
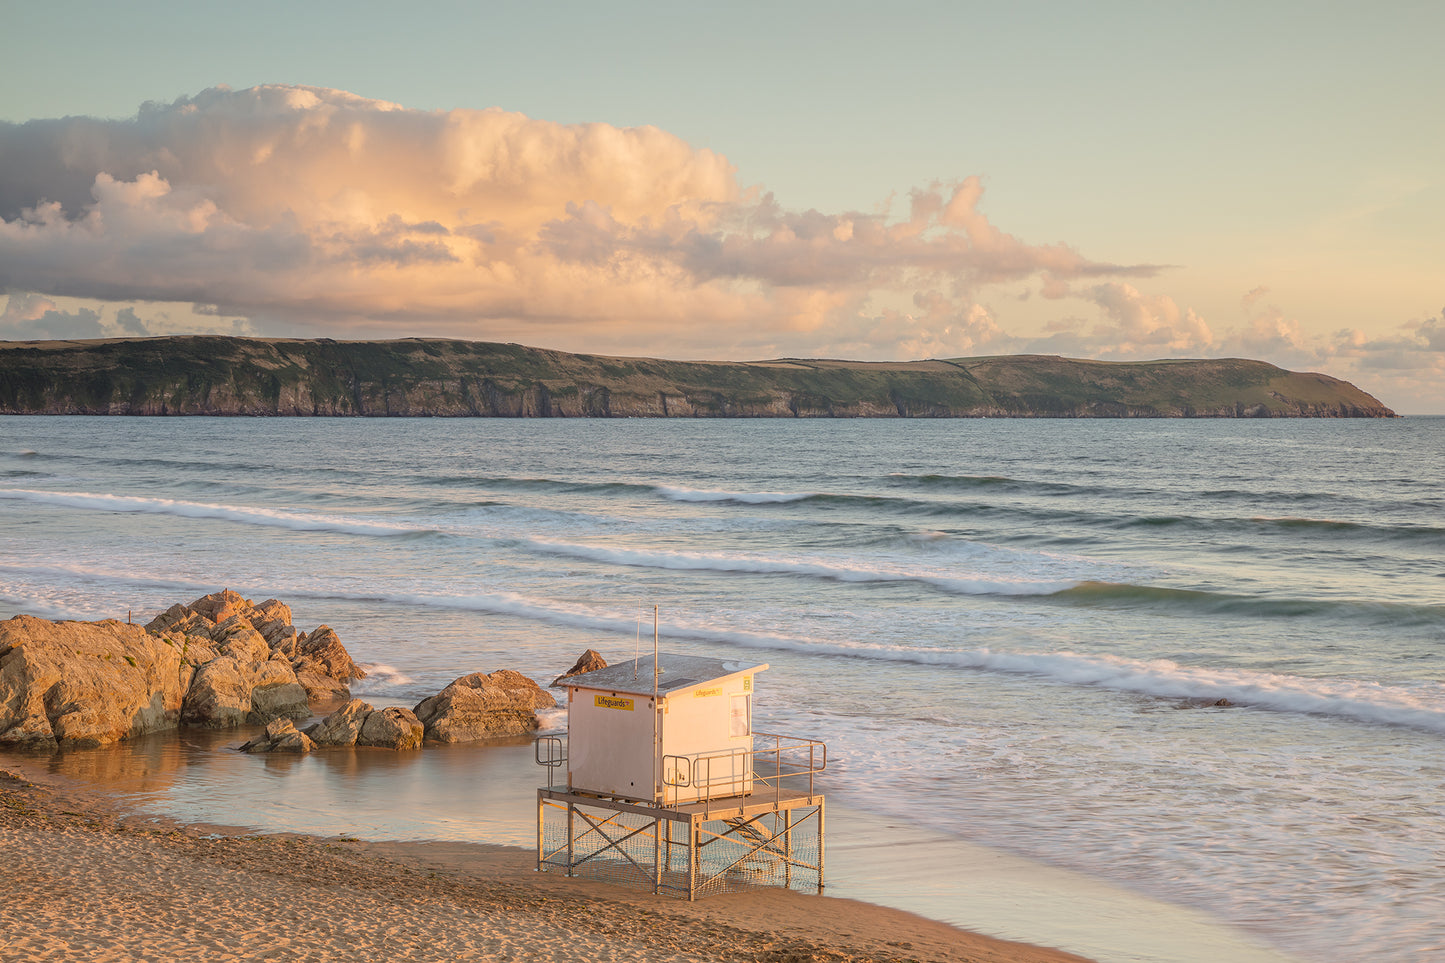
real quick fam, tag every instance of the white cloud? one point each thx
(305, 207)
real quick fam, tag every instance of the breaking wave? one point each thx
(270, 518)
(832, 571)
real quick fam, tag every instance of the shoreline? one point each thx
(88, 878)
(469, 807)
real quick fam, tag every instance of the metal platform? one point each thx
(696, 849)
(764, 828)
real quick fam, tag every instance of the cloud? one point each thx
(301, 207)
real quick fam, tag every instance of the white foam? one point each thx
(380, 678)
(271, 518)
(746, 498)
(1420, 706)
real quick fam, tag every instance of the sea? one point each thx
(1201, 660)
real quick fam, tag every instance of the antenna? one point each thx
(637, 648)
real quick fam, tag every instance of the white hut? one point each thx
(694, 742)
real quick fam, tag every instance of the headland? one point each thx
(415, 377)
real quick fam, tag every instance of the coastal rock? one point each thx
(253, 633)
(589, 661)
(227, 693)
(88, 683)
(239, 639)
(321, 652)
(276, 694)
(281, 736)
(342, 727)
(391, 728)
(218, 662)
(324, 692)
(480, 706)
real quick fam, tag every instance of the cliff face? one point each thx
(204, 375)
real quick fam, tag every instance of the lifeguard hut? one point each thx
(662, 782)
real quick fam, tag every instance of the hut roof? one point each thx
(676, 672)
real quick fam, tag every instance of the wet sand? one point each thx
(87, 880)
(448, 799)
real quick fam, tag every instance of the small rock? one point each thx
(321, 651)
(590, 661)
(281, 736)
(479, 706)
(343, 726)
(391, 728)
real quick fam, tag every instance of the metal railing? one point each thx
(551, 752)
(782, 762)
(775, 763)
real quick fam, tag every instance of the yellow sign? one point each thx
(612, 702)
(704, 693)
(747, 683)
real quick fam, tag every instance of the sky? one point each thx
(1122, 181)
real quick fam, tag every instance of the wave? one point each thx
(969, 483)
(832, 571)
(1192, 601)
(1338, 528)
(743, 498)
(530, 484)
(270, 518)
(1418, 705)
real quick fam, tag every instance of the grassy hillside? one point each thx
(424, 377)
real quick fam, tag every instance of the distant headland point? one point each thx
(423, 377)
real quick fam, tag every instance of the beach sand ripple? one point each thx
(85, 882)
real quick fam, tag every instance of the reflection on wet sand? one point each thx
(463, 793)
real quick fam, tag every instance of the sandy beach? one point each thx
(86, 880)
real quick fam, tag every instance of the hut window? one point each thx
(742, 715)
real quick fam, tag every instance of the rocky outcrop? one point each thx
(220, 661)
(252, 633)
(589, 661)
(91, 683)
(483, 706)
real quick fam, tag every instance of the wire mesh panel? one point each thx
(619, 847)
(774, 849)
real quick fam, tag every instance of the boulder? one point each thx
(324, 692)
(219, 698)
(239, 639)
(274, 622)
(222, 605)
(479, 706)
(322, 652)
(281, 736)
(589, 661)
(275, 693)
(391, 728)
(89, 683)
(227, 692)
(342, 727)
